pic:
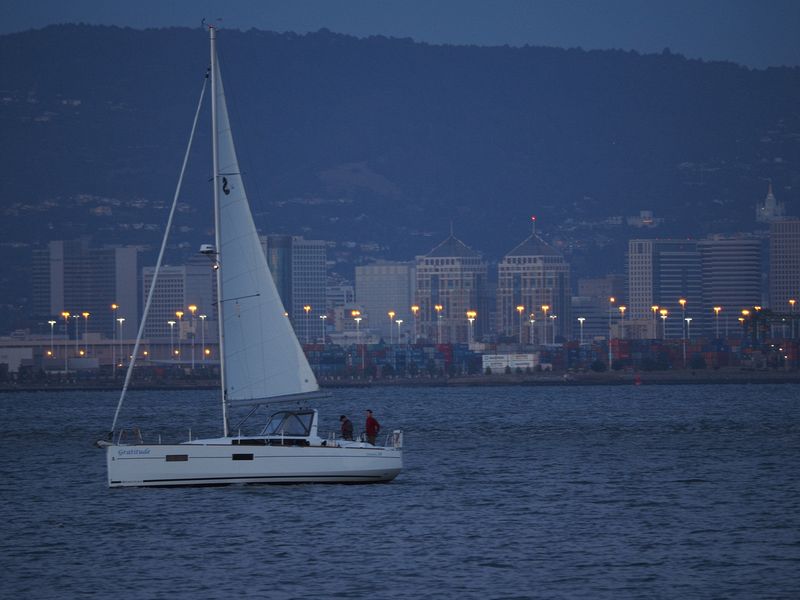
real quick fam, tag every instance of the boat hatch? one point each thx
(290, 423)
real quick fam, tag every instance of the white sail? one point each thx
(261, 355)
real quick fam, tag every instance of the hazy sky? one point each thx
(757, 33)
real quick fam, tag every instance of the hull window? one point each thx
(177, 457)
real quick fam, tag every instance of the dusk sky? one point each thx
(754, 33)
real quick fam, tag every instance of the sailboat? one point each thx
(261, 364)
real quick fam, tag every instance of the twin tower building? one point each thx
(455, 302)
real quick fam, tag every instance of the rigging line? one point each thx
(151, 291)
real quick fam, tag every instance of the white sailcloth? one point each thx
(262, 357)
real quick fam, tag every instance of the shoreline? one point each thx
(688, 377)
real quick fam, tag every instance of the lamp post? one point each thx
(792, 302)
(120, 320)
(654, 309)
(717, 310)
(611, 301)
(682, 302)
(114, 308)
(85, 316)
(399, 325)
(581, 320)
(179, 314)
(532, 330)
(52, 324)
(203, 336)
(471, 314)
(622, 310)
(520, 310)
(65, 314)
(171, 339)
(438, 308)
(323, 318)
(414, 311)
(745, 314)
(357, 318)
(77, 335)
(741, 322)
(545, 308)
(664, 313)
(192, 309)
(757, 321)
(307, 309)
(391, 314)
(553, 328)
(688, 321)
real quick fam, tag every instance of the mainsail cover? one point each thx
(262, 357)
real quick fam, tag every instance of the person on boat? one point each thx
(347, 427)
(372, 427)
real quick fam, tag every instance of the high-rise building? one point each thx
(179, 287)
(72, 276)
(383, 287)
(452, 277)
(278, 250)
(769, 209)
(731, 279)
(299, 270)
(784, 264)
(592, 305)
(661, 273)
(530, 277)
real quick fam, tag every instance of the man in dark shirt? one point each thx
(347, 428)
(372, 427)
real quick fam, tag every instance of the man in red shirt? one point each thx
(373, 427)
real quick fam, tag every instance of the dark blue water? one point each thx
(649, 492)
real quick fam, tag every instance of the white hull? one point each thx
(223, 463)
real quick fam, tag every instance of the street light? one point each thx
(622, 310)
(120, 320)
(357, 318)
(323, 317)
(414, 311)
(171, 339)
(545, 308)
(717, 310)
(85, 316)
(581, 320)
(65, 314)
(307, 309)
(192, 309)
(532, 331)
(77, 335)
(203, 335)
(471, 314)
(114, 308)
(438, 308)
(391, 314)
(654, 308)
(663, 312)
(52, 324)
(792, 302)
(179, 314)
(553, 328)
(611, 301)
(399, 324)
(682, 302)
(520, 310)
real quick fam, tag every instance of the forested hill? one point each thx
(383, 142)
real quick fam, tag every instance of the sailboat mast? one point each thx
(215, 157)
